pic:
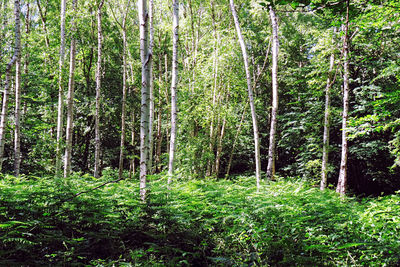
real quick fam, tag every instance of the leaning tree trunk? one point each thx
(123, 112)
(98, 92)
(174, 82)
(342, 181)
(60, 109)
(144, 116)
(15, 57)
(325, 146)
(250, 92)
(274, 111)
(70, 99)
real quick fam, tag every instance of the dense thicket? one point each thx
(215, 126)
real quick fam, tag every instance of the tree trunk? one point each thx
(342, 181)
(219, 148)
(70, 99)
(14, 59)
(151, 92)
(98, 92)
(325, 146)
(159, 117)
(123, 109)
(174, 82)
(250, 93)
(144, 118)
(132, 161)
(274, 111)
(17, 113)
(60, 109)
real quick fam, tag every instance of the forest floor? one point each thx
(206, 222)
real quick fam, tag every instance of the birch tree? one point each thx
(17, 116)
(16, 57)
(342, 181)
(250, 93)
(60, 108)
(274, 110)
(144, 116)
(174, 82)
(151, 88)
(70, 98)
(98, 91)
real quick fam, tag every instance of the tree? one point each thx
(144, 113)
(98, 91)
(342, 181)
(274, 110)
(151, 88)
(15, 58)
(250, 93)
(327, 113)
(60, 109)
(174, 82)
(70, 99)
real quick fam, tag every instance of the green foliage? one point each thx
(196, 222)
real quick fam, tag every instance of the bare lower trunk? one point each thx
(132, 162)
(151, 89)
(144, 118)
(15, 57)
(342, 181)
(60, 109)
(17, 141)
(70, 100)
(98, 92)
(325, 146)
(123, 109)
(219, 148)
(274, 111)
(250, 93)
(174, 82)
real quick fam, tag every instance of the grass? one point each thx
(195, 223)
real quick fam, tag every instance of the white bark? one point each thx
(274, 111)
(151, 91)
(60, 109)
(98, 92)
(124, 78)
(144, 118)
(70, 99)
(174, 82)
(250, 93)
(15, 57)
(342, 181)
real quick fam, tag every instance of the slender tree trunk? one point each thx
(174, 82)
(14, 59)
(132, 162)
(219, 148)
(70, 99)
(274, 111)
(166, 97)
(325, 146)
(98, 92)
(342, 181)
(44, 27)
(250, 92)
(60, 109)
(215, 82)
(123, 111)
(145, 105)
(17, 114)
(151, 92)
(159, 115)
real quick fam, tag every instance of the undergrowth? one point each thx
(195, 223)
